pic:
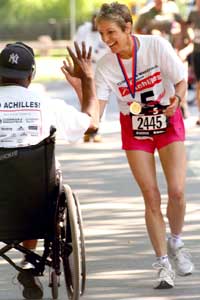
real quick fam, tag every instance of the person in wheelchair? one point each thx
(26, 118)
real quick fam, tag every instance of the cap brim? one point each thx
(16, 74)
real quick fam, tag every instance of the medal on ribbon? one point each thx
(135, 108)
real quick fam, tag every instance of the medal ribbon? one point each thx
(134, 68)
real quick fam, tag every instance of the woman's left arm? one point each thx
(175, 100)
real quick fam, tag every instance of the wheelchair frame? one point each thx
(60, 224)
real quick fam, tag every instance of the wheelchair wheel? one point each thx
(73, 252)
(82, 245)
(54, 285)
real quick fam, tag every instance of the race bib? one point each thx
(148, 123)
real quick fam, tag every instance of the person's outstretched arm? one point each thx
(78, 71)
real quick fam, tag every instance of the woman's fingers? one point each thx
(170, 111)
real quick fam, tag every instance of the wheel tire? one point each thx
(54, 285)
(82, 245)
(71, 262)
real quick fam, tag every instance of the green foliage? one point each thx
(28, 11)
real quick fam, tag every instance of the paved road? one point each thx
(119, 254)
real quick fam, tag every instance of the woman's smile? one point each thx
(114, 37)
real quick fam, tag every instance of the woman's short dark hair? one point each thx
(116, 12)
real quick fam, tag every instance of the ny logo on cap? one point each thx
(13, 59)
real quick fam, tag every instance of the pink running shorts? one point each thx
(175, 132)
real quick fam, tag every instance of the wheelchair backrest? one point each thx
(27, 190)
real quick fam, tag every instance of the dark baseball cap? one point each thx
(17, 61)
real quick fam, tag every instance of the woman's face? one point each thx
(198, 4)
(113, 35)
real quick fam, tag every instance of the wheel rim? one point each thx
(70, 250)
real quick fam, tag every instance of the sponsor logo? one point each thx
(12, 120)
(6, 128)
(31, 120)
(20, 128)
(33, 127)
(23, 134)
(8, 155)
(143, 84)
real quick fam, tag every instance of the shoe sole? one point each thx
(163, 285)
(182, 274)
(178, 273)
(186, 274)
(32, 290)
(171, 257)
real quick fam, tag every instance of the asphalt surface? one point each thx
(118, 252)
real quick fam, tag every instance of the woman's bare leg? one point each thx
(142, 165)
(173, 159)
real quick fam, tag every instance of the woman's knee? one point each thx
(152, 199)
(176, 196)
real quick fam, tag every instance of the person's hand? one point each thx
(82, 65)
(78, 71)
(171, 109)
(67, 70)
(77, 68)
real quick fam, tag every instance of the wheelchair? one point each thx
(34, 204)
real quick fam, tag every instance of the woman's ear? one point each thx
(128, 28)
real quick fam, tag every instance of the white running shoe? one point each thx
(181, 258)
(165, 276)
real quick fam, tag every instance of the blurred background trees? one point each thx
(28, 19)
